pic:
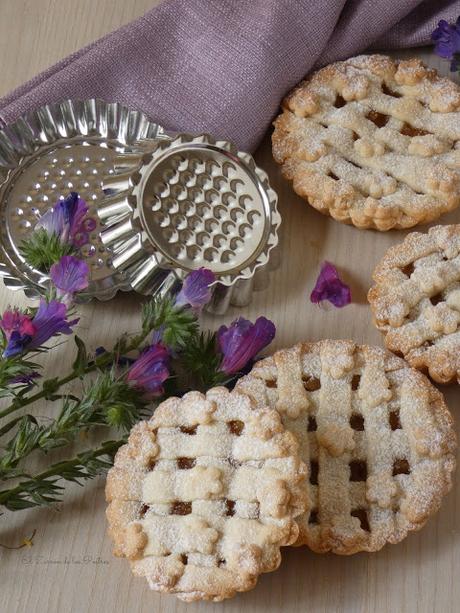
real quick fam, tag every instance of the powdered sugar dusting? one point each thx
(213, 488)
(376, 434)
(373, 141)
(416, 301)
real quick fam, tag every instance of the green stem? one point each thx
(107, 358)
(59, 469)
(9, 426)
(44, 392)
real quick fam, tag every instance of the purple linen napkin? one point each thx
(222, 66)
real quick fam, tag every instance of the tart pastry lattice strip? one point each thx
(416, 301)
(204, 494)
(376, 435)
(373, 142)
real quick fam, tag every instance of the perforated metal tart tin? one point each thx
(50, 152)
(191, 202)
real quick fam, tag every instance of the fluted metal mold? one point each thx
(69, 146)
(192, 201)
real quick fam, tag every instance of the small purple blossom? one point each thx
(69, 275)
(15, 321)
(67, 220)
(196, 288)
(447, 41)
(242, 341)
(150, 370)
(330, 287)
(49, 320)
(26, 379)
(16, 344)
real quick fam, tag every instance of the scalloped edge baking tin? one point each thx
(191, 201)
(69, 146)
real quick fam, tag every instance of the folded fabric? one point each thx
(222, 66)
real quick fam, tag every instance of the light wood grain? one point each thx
(70, 567)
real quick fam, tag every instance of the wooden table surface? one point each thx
(70, 566)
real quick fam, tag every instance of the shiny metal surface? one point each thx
(192, 202)
(60, 148)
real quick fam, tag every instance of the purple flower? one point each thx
(49, 320)
(26, 379)
(447, 40)
(16, 344)
(150, 370)
(15, 321)
(196, 288)
(242, 341)
(66, 219)
(330, 287)
(69, 275)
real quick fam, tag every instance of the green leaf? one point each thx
(176, 324)
(120, 347)
(12, 368)
(107, 401)
(81, 361)
(201, 359)
(180, 328)
(42, 250)
(43, 489)
(21, 444)
(50, 387)
(10, 425)
(117, 403)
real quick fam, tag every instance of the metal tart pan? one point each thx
(191, 202)
(44, 155)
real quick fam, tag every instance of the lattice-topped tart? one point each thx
(416, 301)
(204, 494)
(373, 142)
(376, 434)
